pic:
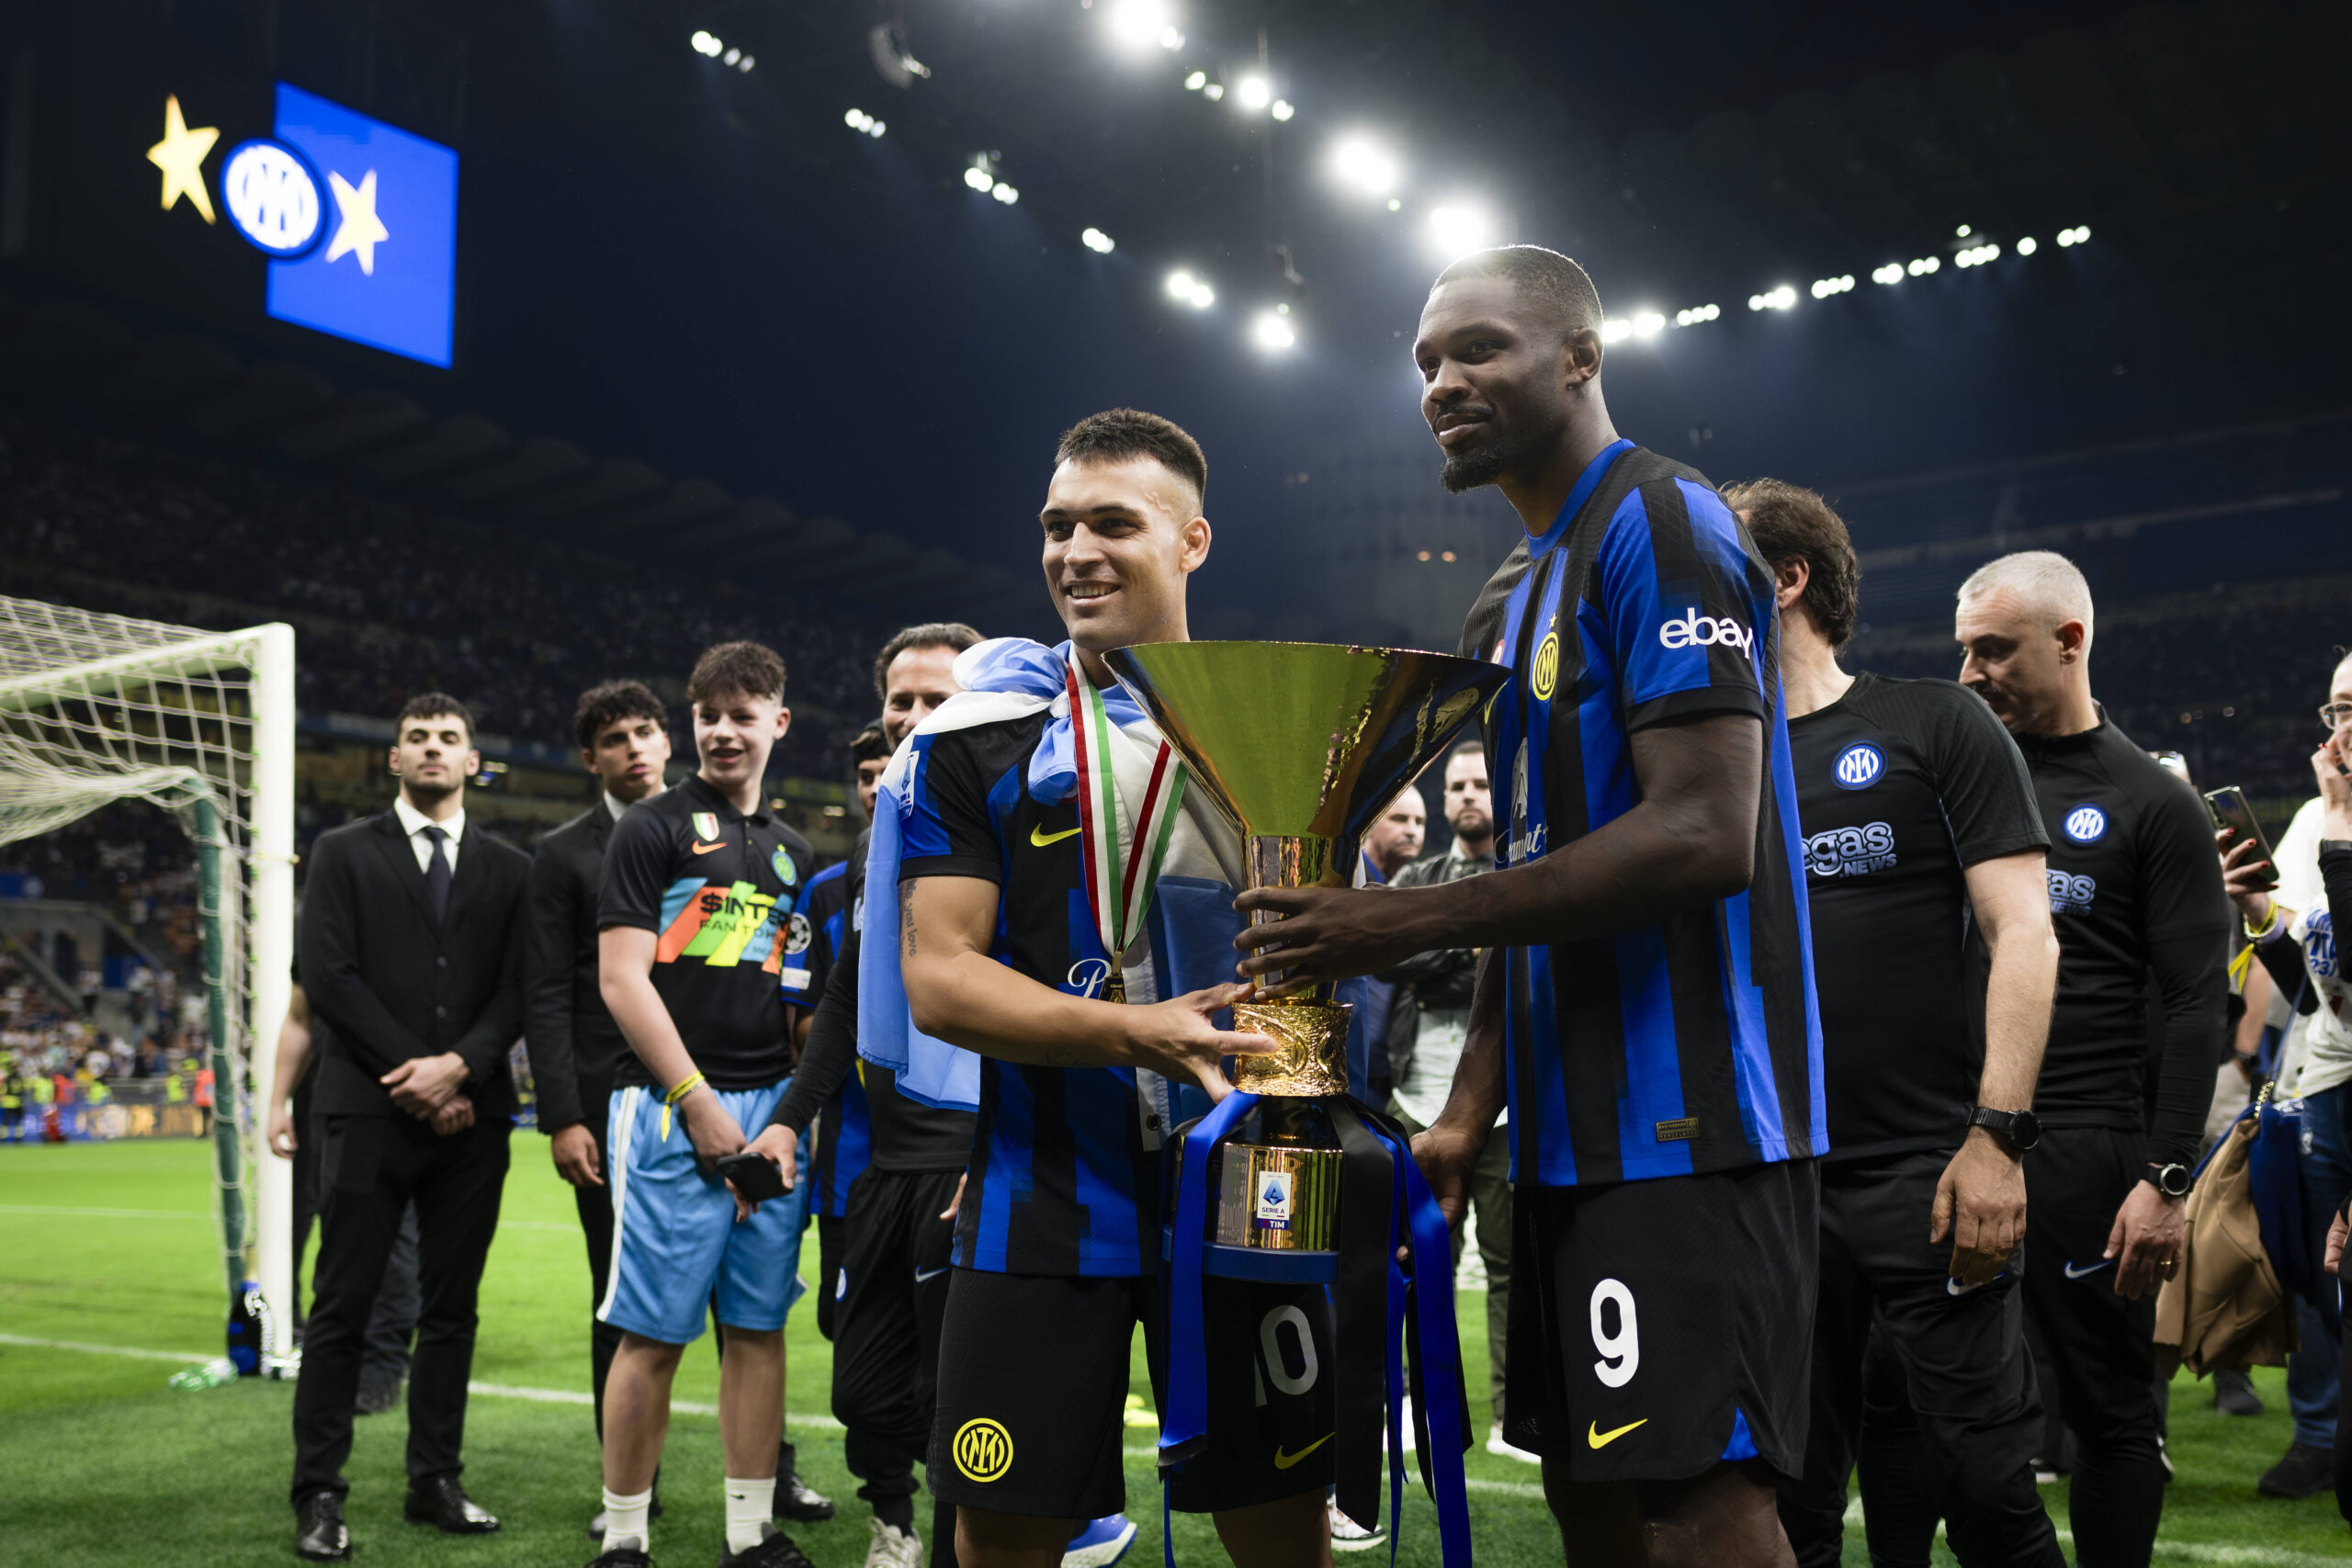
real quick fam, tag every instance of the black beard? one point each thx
(1504, 451)
(1474, 828)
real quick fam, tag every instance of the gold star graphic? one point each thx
(181, 155)
(360, 230)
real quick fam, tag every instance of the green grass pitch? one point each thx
(111, 1247)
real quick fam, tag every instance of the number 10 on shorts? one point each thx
(1620, 1348)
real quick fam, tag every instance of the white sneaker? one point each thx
(1502, 1448)
(1349, 1536)
(893, 1548)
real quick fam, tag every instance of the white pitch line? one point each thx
(808, 1419)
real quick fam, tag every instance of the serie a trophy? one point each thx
(1301, 746)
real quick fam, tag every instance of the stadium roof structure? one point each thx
(77, 359)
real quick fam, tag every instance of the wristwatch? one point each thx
(2019, 1129)
(2172, 1180)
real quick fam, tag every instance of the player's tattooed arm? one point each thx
(906, 927)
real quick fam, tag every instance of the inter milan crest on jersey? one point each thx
(2086, 824)
(1859, 766)
(786, 871)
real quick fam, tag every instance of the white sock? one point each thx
(749, 1504)
(625, 1519)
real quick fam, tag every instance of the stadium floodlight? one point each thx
(1254, 93)
(2028, 245)
(98, 709)
(1784, 298)
(1094, 239)
(1823, 288)
(1282, 109)
(1925, 265)
(745, 63)
(1457, 229)
(706, 44)
(1696, 314)
(1361, 164)
(731, 57)
(1648, 323)
(1962, 232)
(1196, 81)
(1614, 329)
(876, 129)
(1272, 330)
(979, 177)
(1135, 25)
(1005, 192)
(1213, 91)
(1183, 286)
(1170, 39)
(1891, 273)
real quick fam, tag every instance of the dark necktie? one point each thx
(436, 871)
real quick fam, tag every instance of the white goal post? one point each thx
(97, 709)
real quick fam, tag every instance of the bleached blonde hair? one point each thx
(2052, 588)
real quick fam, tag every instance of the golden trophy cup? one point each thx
(1300, 746)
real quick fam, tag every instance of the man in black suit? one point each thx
(575, 1046)
(411, 955)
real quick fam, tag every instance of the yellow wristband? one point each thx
(686, 1086)
(2269, 924)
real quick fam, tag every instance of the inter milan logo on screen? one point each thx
(360, 218)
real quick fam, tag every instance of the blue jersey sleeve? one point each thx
(1689, 610)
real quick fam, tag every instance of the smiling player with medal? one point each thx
(1063, 904)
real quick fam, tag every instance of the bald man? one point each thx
(2134, 891)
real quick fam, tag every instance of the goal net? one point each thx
(97, 709)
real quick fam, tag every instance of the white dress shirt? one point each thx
(415, 822)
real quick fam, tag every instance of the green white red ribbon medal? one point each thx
(1122, 852)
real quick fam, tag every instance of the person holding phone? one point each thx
(2293, 930)
(694, 933)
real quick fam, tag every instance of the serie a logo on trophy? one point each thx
(1301, 745)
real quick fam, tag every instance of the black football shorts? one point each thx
(1659, 1327)
(1033, 1391)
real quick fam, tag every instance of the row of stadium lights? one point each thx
(1454, 230)
(711, 46)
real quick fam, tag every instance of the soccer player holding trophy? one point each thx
(1057, 852)
(1646, 1006)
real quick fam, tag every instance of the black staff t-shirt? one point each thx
(1901, 786)
(720, 890)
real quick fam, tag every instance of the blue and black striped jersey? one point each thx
(844, 1135)
(1692, 1044)
(1065, 1172)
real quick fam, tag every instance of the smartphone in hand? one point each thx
(753, 1176)
(2233, 814)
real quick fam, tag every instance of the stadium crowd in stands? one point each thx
(381, 610)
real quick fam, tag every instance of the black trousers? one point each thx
(595, 1206)
(374, 1166)
(895, 1271)
(1961, 1358)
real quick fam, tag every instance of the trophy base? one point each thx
(1278, 1196)
(1312, 1063)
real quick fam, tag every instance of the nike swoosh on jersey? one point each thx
(703, 849)
(1040, 838)
(2075, 1273)
(1601, 1439)
(1283, 1461)
(920, 1275)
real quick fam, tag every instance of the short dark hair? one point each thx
(1558, 288)
(745, 669)
(868, 745)
(930, 634)
(1117, 435)
(603, 706)
(433, 704)
(1791, 523)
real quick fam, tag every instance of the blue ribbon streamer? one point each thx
(1420, 1314)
